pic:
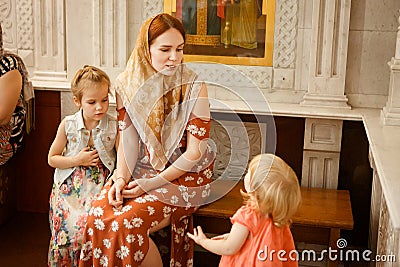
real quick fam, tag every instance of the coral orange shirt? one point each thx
(267, 245)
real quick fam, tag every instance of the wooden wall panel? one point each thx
(36, 176)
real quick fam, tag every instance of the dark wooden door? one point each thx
(35, 177)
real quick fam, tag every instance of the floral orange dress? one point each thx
(120, 237)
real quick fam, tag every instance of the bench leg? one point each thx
(334, 235)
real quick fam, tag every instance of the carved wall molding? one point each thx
(110, 34)
(233, 140)
(7, 21)
(390, 114)
(385, 232)
(152, 8)
(25, 24)
(227, 75)
(376, 198)
(50, 50)
(328, 54)
(322, 145)
(285, 33)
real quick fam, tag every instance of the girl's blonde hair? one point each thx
(274, 188)
(84, 78)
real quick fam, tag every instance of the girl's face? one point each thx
(94, 102)
(166, 51)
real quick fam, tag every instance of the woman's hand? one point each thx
(115, 197)
(140, 186)
(87, 157)
(132, 189)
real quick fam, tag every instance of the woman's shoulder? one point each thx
(8, 63)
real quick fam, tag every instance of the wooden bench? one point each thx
(321, 216)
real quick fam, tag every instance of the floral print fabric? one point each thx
(120, 237)
(69, 206)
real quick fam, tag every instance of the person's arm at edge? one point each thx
(10, 90)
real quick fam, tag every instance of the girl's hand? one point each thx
(198, 236)
(86, 157)
(115, 194)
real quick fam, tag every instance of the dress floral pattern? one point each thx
(120, 237)
(69, 206)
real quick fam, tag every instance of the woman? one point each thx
(164, 164)
(16, 94)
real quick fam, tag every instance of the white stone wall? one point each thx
(372, 39)
(57, 37)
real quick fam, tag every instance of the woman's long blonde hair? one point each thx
(274, 188)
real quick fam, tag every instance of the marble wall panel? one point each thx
(302, 59)
(320, 169)
(367, 70)
(372, 15)
(305, 14)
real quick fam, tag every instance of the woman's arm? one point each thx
(56, 160)
(227, 246)
(10, 90)
(195, 147)
(127, 149)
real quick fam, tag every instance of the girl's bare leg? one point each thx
(153, 257)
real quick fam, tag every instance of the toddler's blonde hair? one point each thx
(84, 78)
(274, 188)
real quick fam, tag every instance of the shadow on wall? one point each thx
(355, 174)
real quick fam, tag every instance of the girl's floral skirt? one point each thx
(69, 206)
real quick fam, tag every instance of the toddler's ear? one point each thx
(76, 101)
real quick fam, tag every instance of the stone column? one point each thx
(328, 54)
(390, 114)
(99, 36)
(49, 51)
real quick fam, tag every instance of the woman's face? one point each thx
(166, 51)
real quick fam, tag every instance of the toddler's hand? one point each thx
(87, 157)
(198, 236)
(219, 237)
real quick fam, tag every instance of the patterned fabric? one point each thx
(120, 237)
(69, 206)
(11, 134)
